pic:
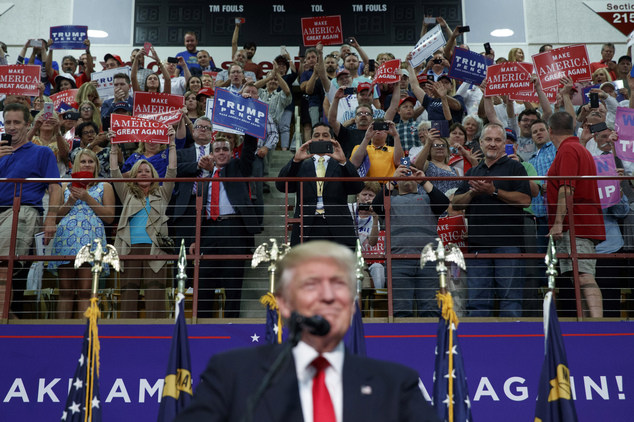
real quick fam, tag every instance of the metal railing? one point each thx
(388, 257)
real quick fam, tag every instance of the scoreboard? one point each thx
(164, 22)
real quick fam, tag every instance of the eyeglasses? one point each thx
(89, 132)
(363, 113)
(439, 146)
(86, 109)
(199, 127)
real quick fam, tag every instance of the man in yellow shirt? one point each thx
(372, 157)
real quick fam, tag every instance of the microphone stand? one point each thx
(295, 330)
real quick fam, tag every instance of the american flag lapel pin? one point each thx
(366, 390)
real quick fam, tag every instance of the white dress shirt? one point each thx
(304, 356)
(224, 205)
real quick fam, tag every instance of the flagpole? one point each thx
(359, 269)
(182, 265)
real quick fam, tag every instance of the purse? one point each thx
(165, 242)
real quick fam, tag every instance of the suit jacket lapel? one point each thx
(281, 400)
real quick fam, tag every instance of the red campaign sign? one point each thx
(324, 29)
(531, 96)
(18, 79)
(378, 249)
(67, 97)
(135, 129)
(571, 61)
(163, 108)
(387, 73)
(453, 230)
(508, 78)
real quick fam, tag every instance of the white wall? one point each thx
(558, 22)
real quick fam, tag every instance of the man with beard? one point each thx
(250, 65)
(190, 54)
(496, 225)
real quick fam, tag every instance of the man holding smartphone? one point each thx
(21, 159)
(324, 207)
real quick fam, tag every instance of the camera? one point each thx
(348, 91)
(364, 206)
(172, 60)
(437, 61)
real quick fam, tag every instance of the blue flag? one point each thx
(554, 401)
(83, 396)
(177, 389)
(273, 332)
(355, 337)
(451, 395)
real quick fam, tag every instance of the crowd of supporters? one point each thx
(374, 130)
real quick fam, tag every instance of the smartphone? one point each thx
(321, 147)
(430, 20)
(72, 115)
(381, 126)
(508, 148)
(146, 47)
(172, 60)
(35, 43)
(348, 91)
(349, 40)
(463, 29)
(442, 126)
(487, 48)
(371, 65)
(7, 137)
(406, 161)
(239, 20)
(594, 100)
(48, 110)
(599, 127)
(302, 51)
(282, 49)
(364, 206)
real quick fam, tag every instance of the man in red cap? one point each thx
(112, 61)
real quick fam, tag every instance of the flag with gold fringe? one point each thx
(177, 388)
(83, 403)
(451, 395)
(554, 400)
(273, 333)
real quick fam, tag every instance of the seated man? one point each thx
(313, 279)
(324, 207)
(413, 221)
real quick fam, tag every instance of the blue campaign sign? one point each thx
(469, 66)
(244, 114)
(68, 37)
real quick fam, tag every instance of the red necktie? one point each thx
(323, 410)
(214, 202)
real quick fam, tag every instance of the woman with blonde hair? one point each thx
(143, 221)
(600, 76)
(88, 92)
(89, 112)
(81, 217)
(516, 55)
(46, 132)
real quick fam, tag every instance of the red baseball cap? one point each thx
(364, 85)
(113, 56)
(207, 92)
(412, 99)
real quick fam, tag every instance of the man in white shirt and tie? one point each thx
(320, 381)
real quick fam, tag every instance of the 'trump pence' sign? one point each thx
(609, 190)
(624, 126)
(240, 113)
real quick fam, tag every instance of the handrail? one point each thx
(388, 255)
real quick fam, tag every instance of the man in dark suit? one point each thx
(316, 278)
(228, 224)
(325, 204)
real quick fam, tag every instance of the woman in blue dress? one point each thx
(80, 219)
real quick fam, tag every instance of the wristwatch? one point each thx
(495, 193)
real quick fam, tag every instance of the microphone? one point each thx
(316, 324)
